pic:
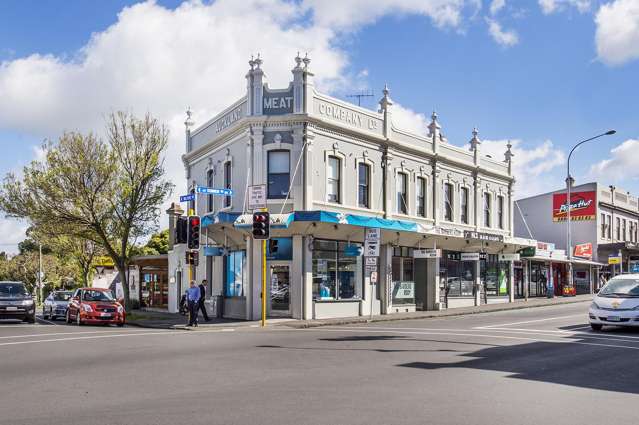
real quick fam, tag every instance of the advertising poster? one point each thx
(583, 206)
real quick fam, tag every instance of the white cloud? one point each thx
(617, 36)
(551, 6)
(533, 167)
(506, 38)
(409, 120)
(623, 163)
(496, 6)
(13, 232)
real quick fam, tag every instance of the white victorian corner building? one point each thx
(333, 171)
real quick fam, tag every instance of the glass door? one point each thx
(279, 289)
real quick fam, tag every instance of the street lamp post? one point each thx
(569, 202)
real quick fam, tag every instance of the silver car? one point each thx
(56, 304)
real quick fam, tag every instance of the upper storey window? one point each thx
(333, 182)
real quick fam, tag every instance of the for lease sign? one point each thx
(583, 206)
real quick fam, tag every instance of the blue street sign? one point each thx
(187, 198)
(214, 191)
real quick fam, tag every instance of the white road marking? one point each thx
(82, 338)
(521, 338)
(501, 325)
(68, 333)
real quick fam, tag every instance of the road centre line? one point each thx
(529, 321)
(521, 338)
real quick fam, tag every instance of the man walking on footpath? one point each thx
(200, 304)
(193, 298)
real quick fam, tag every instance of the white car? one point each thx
(617, 303)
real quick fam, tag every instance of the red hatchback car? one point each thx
(95, 305)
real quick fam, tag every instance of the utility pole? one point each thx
(40, 271)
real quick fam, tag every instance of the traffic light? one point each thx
(194, 232)
(193, 258)
(261, 224)
(181, 230)
(272, 246)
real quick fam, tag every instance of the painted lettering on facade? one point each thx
(277, 102)
(348, 116)
(228, 119)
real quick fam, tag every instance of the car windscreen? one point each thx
(13, 290)
(621, 288)
(61, 296)
(97, 296)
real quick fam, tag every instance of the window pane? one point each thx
(464, 205)
(333, 190)
(420, 195)
(278, 185)
(363, 189)
(333, 168)
(486, 210)
(402, 207)
(278, 162)
(349, 274)
(448, 202)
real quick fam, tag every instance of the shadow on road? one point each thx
(606, 368)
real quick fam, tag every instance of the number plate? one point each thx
(12, 308)
(614, 318)
(105, 314)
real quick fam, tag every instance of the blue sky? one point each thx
(544, 74)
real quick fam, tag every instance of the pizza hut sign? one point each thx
(583, 206)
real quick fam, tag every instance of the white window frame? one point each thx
(490, 210)
(371, 171)
(407, 173)
(342, 173)
(468, 204)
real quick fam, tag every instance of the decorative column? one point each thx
(511, 281)
(434, 133)
(437, 193)
(298, 86)
(478, 199)
(307, 279)
(478, 285)
(257, 139)
(258, 86)
(508, 155)
(309, 86)
(308, 170)
(297, 184)
(249, 88)
(389, 180)
(187, 127)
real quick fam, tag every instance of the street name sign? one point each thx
(214, 191)
(187, 198)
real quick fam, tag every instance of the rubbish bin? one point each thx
(214, 306)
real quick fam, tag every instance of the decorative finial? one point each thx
(385, 101)
(475, 142)
(252, 63)
(189, 122)
(258, 62)
(306, 60)
(509, 153)
(298, 61)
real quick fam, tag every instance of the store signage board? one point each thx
(403, 290)
(427, 253)
(371, 249)
(486, 237)
(528, 251)
(583, 206)
(509, 257)
(583, 250)
(371, 261)
(470, 256)
(256, 196)
(373, 234)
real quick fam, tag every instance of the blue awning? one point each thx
(356, 220)
(219, 217)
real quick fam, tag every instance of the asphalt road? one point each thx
(533, 366)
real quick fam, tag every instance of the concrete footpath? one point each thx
(161, 320)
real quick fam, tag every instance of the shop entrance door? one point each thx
(279, 285)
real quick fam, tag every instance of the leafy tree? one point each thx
(158, 244)
(108, 192)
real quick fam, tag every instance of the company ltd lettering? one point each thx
(228, 119)
(347, 116)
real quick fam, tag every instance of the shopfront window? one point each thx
(538, 281)
(154, 289)
(403, 276)
(495, 275)
(336, 275)
(459, 275)
(234, 274)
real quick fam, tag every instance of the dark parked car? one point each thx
(56, 304)
(16, 302)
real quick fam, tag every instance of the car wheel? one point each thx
(121, 324)
(31, 318)
(596, 326)
(44, 314)
(68, 317)
(78, 319)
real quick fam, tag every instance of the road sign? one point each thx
(371, 249)
(374, 277)
(371, 261)
(214, 191)
(187, 198)
(614, 260)
(257, 196)
(373, 234)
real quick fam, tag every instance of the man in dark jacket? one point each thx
(201, 305)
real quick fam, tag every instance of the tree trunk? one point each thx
(125, 286)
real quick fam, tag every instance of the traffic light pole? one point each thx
(263, 282)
